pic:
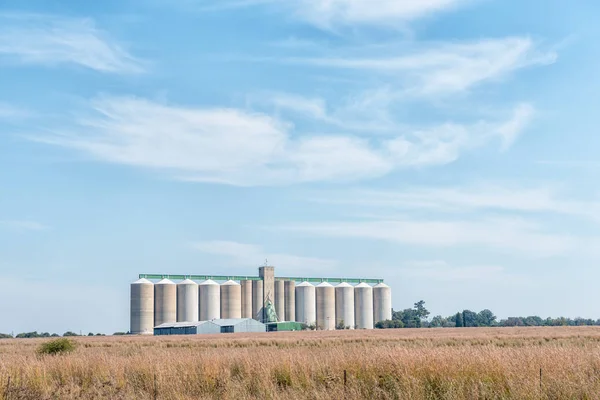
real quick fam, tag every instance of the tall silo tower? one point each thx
(209, 296)
(325, 296)
(363, 306)
(382, 302)
(344, 305)
(306, 311)
(231, 300)
(290, 300)
(246, 299)
(142, 307)
(187, 301)
(165, 302)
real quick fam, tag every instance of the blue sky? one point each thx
(447, 146)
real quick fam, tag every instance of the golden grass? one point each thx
(469, 363)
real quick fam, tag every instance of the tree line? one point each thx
(417, 317)
(36, 334)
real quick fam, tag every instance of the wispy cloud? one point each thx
(213, 6)
(330, 13)
(510, 219)
(8, 111)
(245, 148)
(23, 225)
(441, 68)
(570, 163)
(367, 111)
(472, 198)
(52, 40)
(439, 270)
(248, 254)
(508, 235)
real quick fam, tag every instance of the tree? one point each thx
(389, 324)
(469, 318)
(28, 335)
(512, 321)
(420, 309)
(533, 320)
(5, 336)
(437, 322)
(397, 315)
(409, 318)
(69, 333)
(486, 318)
(458, 320)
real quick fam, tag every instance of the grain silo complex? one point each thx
(180, 304)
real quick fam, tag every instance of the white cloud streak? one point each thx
(328, 14)
(439, 270)
(508, 235)
(52, 40)
(8, 111)
(331, 13)
(466, 217)
(243, 148)
(23, 225)
(474, 198)
(248, 254)
(442, 68)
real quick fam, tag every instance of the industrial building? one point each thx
(231, 325)
(255, 303)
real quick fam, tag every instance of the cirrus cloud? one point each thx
(239, 147)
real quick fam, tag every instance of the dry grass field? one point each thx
(468, 363)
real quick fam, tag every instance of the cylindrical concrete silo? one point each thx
(142, 307)
(280, 300)
(306, 310)
(344, 305)
(231, 300)
(363, 306)
(209, 296)
(382, 302)
(165, 302)
(325, 295)
(246, 299)
(290, 300)
(187, 301)
(257, 300)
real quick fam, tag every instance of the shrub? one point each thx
(57, 346)
(389, 324)
(340, 325)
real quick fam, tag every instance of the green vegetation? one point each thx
(394, 323)
(416, 317)
(57, 346)
(35, 334)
